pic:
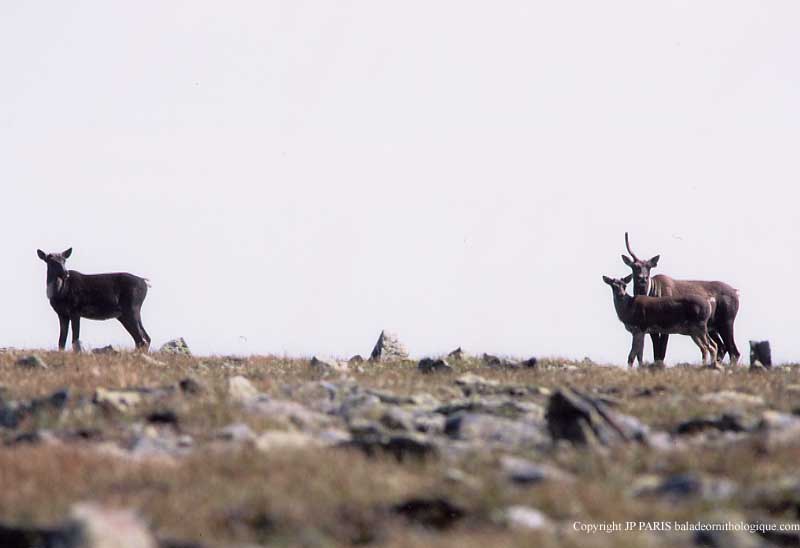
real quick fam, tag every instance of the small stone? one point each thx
(328, 365)
(727, 397)
(525, 517)
(109, 350)
(176, 346)
(241, 390)
(388, 348)
(525, 472)
(32, 361)
(456, 354)
(104, 527)
(429, 365)
(237, 432)
(121, 400)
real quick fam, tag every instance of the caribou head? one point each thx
(56, 270)
(640, 270)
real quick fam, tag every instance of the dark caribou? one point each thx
(94, 296)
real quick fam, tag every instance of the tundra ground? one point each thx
(313, 457)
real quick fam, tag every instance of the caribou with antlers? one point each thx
(723, 313)
(95, 296)
(686, 315)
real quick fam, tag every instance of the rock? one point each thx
(388, 348)
(525, 472)
(760, 353)
(355, 360)
(728, 422)
(32, 361)
(108, 350)
(503, 407)
(241, 390)
(237, 432)
(497, 362)
(176, 346)
(328, 365)
(121, 400)
(289, 413)
(160, 444)
(402, 446)
(277, 439)
(12, 413)
(577, 418)
(491, 431)
(456, 355)
(191, 386)
(472, 385)
(428, 365)
(163, 416)
(530, 362)
(681, 486)
(104, 527)
(434, 513)
(525, 517)
(731, 397)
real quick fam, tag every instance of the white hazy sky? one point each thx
(305, 173)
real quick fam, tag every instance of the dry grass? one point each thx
(337, 496)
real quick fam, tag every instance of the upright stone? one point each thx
(388, 349)
(176, 346)
(760, 353)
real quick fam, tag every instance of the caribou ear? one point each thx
(627, 261)
(654, 261)
(627, 279)
(67, 253)
(41, 254)
(608, 280)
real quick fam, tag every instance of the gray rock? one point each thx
(429, 365)
(525, 518)
(32, 361)
(682, 486)
(160, 444)
(498, 432)
(582, 420)
(107, 350)
(105, 527)
(289, 413)
(237, 432)
(456, 355)
(328, 365)
(402, 446)
(731, 397)
(728, 422)
(355, 360)
(525, 472)
(176, 346)
(388, 348)
(241, 390)
(471, 384)
(500, 363)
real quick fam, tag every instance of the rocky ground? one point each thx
(172, 450)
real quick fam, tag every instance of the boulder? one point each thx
(388, 348)
(32, 361)
(176, 346)
(328, 365)
(760, 353)
(582, 420)
(241, 390)
(429, 365)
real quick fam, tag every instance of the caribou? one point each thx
(723, 314)
(94, 296)
(686, 315)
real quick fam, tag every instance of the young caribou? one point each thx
(687, 315)
(95, 296)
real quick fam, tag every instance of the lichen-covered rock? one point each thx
(176, 346)
(388, 348)
(241, 390)
(32, 361)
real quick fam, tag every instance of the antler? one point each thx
(635, 258)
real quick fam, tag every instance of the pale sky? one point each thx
(295, 176)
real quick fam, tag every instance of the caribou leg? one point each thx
(76, 332)
(699, 340)
(721, 346)
(131, 325)
(637, 349)
(730, 344)
(63, 330)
